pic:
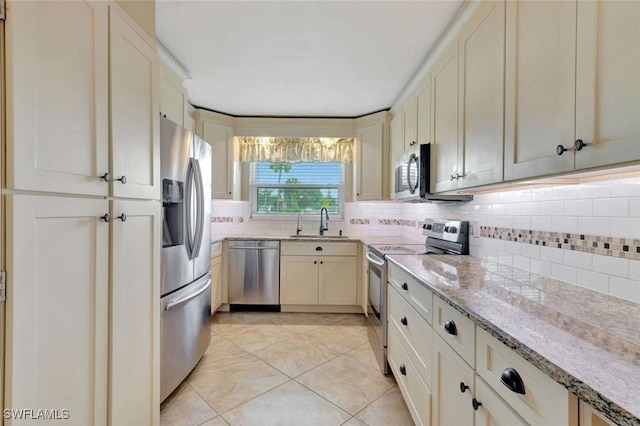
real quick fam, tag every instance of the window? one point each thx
(279, 189)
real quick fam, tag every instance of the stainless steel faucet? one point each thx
(298, 227)
(323, 226)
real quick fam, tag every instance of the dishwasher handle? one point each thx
(253, 248)
(374, 259)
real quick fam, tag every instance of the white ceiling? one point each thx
(300, 58)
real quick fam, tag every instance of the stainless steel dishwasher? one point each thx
(254, 275)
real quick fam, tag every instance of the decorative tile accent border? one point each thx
(222, 219)
(389, 221)
(626, 248)
(359, 222)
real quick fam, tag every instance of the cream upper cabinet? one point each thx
(135, 320)
(57, 307)
(539, 87)
(481, 98)
(608, 82)
(369, 175)
(337, 280)
(135, 123)
(409, 124)
(220, 137)
(423, 112)
(396, 143)
(57, 96)
(299, 280)
(173, 98)
(445, 120)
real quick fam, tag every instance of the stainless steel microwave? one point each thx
(412, 181)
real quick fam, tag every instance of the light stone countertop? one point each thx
(366, 239)
(587, 341)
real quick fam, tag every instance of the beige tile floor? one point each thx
(287, 369)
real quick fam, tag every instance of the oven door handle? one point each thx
(374, 259)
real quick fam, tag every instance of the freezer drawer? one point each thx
(254, 272)
(185, 332)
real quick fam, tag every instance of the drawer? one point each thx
(455, 328)
(216, 249)
(418, 295)
(544, 402)
(414, 332)
(494, 411)
(319, 248)
(414, 390)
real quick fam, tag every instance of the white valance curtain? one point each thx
(296, 150)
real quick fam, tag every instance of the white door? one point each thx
(57, 96)
(220, 137)
(369, 177)
(134, 355)
(539, 87)
(608, 82)
(445, 121)
(57, 307)
(481, 102)
(135, 123)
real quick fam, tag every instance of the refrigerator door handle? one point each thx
(200, 213)
(174, 303)
(189, 209)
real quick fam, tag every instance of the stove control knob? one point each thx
(446, 229)
(429, 226)
(453, 229)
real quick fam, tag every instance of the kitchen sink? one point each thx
(318, 236)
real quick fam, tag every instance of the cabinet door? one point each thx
(397, 144)
(445, 120)
(539, 87)
(216, 283)
(172, 98)
(369, 177)
(409, 124)
(57, 307)
(493, 411)
(590, 417)
(450, 406)
(337, 280)
(220, 137)
(299, 280)
(57, 96)
(135, 123)
(135, 313)
(423, 113)
(481, 101)
(608, 82)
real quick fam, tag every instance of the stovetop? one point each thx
(396, 249)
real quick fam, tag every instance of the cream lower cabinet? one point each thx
(307, 279)
(83, 311)
(590, 417)
(216, 276)
(493, 411)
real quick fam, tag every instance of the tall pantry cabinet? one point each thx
(83, 217)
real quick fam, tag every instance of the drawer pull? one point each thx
(405, 286)
(463, 387)
(318, 248)
(450, 327)
(403, 370)
(404, 321)
(512, 380)
(475, 404)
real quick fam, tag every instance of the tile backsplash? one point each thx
(587, 234)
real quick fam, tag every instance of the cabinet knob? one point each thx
(512, 380)
(579, 144)
(315, 262)
(318, 248)
(475, 404)
(450, 327)
(403, 369)
(358, 194)
(321, 262)
(404, 321)
(106, 177)
(463, 387)
(560, 149)
(106, 217)
(122, 217)
(405, 286)
(122, 179)
(229, 192)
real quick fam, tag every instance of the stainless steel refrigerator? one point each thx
(186, 253)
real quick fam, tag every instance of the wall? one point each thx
(143, 12)
(573, 233)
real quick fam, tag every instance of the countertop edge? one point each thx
(574, 385)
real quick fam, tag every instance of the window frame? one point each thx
(254, 188)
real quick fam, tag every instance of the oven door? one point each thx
(377, 309)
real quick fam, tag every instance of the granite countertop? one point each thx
(368, 239)
(586, 341)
